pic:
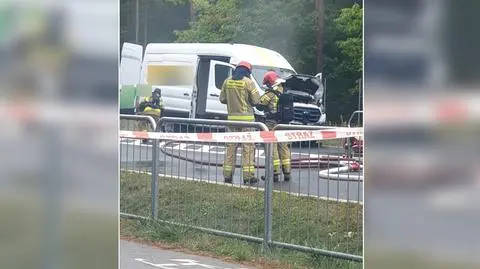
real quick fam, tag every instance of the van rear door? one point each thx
(129, 75)
(174, 74)
(193, 102)
(219, 71)
(130, 64)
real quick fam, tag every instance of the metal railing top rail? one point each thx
(259, 125)
(353, 114)
(139, 117)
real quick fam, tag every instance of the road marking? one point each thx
(182, 262)
(188, 262)
(196, 148)
(158, 265)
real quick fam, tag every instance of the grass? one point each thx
(297, 220)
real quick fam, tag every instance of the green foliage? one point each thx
(176, 2)
(216, 22)
(349, 22)
(343, 59)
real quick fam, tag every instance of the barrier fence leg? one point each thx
(268, 197)
(154, 183)
(349, 148)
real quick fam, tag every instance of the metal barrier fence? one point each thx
(324, 174)
(132, 152)
(354, 148)
(131, 122)
(319, 210)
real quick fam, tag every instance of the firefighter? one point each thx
(151, 106)
(241, 96)
(268, 104)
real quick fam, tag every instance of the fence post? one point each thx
(268, 196)
(349, 146)
(154, 183)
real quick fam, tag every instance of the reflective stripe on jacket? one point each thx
(240, 96)
(269, 100)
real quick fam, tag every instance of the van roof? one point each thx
(238, 52)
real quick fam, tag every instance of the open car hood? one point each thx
(303, 83)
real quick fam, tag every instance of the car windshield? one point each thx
(259, 71)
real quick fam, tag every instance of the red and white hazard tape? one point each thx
(250, 137)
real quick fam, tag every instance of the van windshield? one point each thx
(259, 71)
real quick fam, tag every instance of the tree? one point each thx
(349, 23)
(215, 22)
(157, 20)
(343, 59)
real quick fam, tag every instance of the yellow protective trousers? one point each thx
(281, 154)
(248, 157)
(145, 125)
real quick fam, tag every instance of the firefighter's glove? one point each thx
(261, 107)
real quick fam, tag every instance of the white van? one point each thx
(191, 76)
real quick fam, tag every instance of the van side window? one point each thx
(170, 75)
(221, 74)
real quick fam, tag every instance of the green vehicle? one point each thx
(131, 96)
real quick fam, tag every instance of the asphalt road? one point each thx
(140, 256)
(204, 162)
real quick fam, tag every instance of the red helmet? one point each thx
(270, 78)
(245, 64)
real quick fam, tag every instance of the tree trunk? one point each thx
(192, 11)
(145, 24)
(137, 23)
(320, 9)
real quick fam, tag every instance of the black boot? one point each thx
(275, 178)
(228, 180)
(252, 180)
(286, 177)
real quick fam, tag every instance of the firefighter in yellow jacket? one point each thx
(268, 104)
(151, 106)
(241, 96)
